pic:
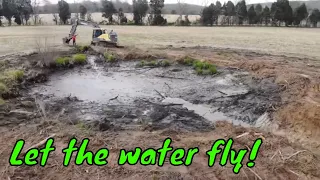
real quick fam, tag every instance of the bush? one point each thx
(79, 58)
(62, 61)
(131, 23)
(159, 20)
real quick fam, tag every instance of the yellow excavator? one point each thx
(100, 37)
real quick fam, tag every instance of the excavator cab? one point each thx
(102, 38)
(98, 32)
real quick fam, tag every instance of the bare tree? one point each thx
(35, 14)
(182, 7)
(205, 3)
(55, 18)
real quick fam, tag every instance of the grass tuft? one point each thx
(109, 57)
(187, 61)
(82, 49)
(63, 61)
(201, 67)
(3, 88)
(16, 75)
(2, 102)
(79, 58)
(9, 79)
(164, 63)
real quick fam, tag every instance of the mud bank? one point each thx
(123, 96)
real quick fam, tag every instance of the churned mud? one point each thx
(125, 96)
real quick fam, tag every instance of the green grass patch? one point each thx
(8, 79)
(3, 88)
(204, 68)
(164, 63)
(62, 61)
(109, 57)
(2, 102)
(201, 67)
(11, 76)
(82, 48)
(187, 61)
(16, 75)
(79, 58)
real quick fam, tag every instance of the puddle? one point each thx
(208, 112)
(230, 96)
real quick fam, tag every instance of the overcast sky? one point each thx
(199, 2)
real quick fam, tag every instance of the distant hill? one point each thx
(189, 9)
(294, 4)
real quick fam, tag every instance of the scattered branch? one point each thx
(242, 135)
(39, 144)
(114, 98)
(170, 77)
(160, 94)
(255, 174)
(294, 154)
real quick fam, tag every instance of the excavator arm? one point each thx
(81, 22)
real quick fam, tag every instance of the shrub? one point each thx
(79, 58)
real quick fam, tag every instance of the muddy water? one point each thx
(124, 93)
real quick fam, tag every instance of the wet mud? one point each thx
(123, 96)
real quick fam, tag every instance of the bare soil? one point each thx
(290, 152)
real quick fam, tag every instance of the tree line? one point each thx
(280, 13)
(215, 14)
(22, 10)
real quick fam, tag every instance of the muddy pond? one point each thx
(124, 95)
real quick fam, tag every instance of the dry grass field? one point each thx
(289, 41)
